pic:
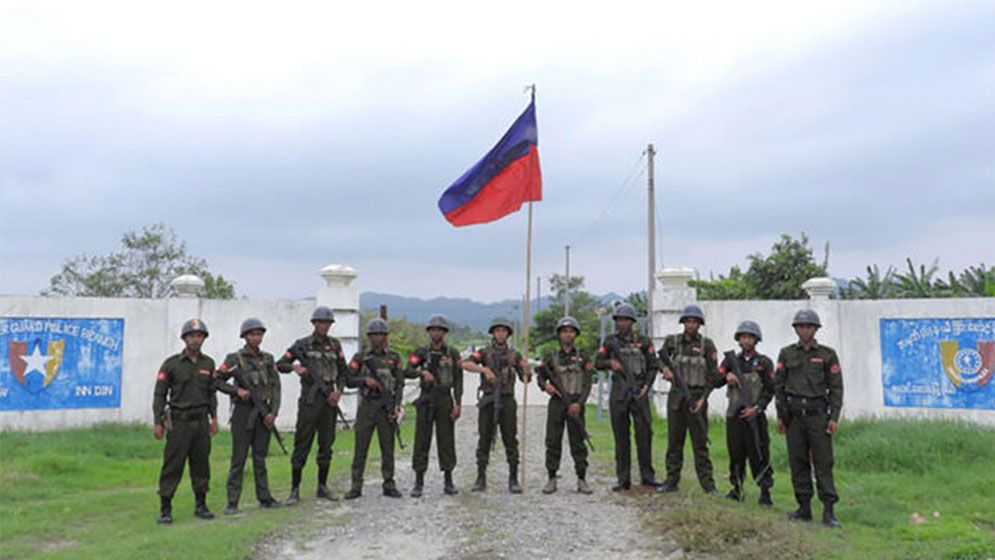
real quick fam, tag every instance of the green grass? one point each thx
(885, 471)
(91, 493)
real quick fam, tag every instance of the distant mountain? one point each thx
(473, 314)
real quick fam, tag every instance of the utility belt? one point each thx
(807, 406)
(248, 404)
(188, 414)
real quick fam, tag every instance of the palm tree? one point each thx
(917, 283)
(875, 286)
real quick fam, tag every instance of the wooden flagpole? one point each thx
(525, 342)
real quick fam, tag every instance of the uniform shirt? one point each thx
(257, 369)
(809, 373)
(511, 360)
(185, 383)
(684, 350)
(758, 370)
(321, 356)
(385, 367)
(640, 376)
(579, 383)
(425, 356)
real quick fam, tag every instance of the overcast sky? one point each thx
(277, 138)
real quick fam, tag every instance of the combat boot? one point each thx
(668, 486)
(449, 488)
(829, 517)
(294, 497)
(764, 498)
(480, 484)
(550, 485)
(416, 490)
(325, 493)
(736, 493)
(354, 492)
(390, 489)
(803, 513)
(582, 486)
(232, 508)
(513, 486)
(622, 486)
(200, 509)
(165, 511)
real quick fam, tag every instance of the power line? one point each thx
(620, 194)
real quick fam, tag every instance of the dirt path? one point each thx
(495, 524)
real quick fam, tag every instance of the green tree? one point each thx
(148, 261)
(873, 286)
(918, 282)
(733, 286)
(583, 307)
(639, 302)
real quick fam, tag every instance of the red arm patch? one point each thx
(780, 366)
(288, 355)
(602, 351)
(477, 355)
(161, 376)
(835, 369)
(722, 370)
(354, 365)
(223, 368)
(414, 359)
(651, 350)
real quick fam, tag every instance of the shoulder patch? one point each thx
(288, 355)
(602, 351)
(477, 355)
(354, 365)
(780, 366)
(414, 359)
(161, 376)
(224, 367)
(835, 369)
(651, 350)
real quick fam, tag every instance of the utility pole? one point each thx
(651, 235)
(538, 294)
(566, 295)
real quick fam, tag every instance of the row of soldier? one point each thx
(806, 383)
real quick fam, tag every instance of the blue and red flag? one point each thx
(502, 180)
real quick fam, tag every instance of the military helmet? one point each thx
(377, 326)
(806, 317)
(692, 312)
(322, 313)
(567, 322)
(251, 324)
(625, 311)
(748, 327)
(437, 321)
(500, 322)
(192, 326)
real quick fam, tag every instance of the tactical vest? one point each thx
(324, 359)
(632, 359)
(690, 363)
(753, 381)
(440, 363)
(254, 371)
(381, 366)
(569, 373)
(506, 372)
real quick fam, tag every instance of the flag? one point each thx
(501, 181)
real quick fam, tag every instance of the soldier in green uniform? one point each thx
(378, 375)
(744, 440)
(498, 365)
(695, 358)
(633, 363)
(250, 430)
(809, 391)
(185, 410)
(319, 361)
(439, 404)
(570, 370)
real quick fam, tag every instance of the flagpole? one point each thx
(525, 341)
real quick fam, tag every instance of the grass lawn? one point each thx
(885, 471)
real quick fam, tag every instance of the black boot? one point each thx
(828, 517)
(735, 494)
(325, 493)
(764, 498)
(294, 497)
(803, 513)
(165, 511)
(480, 484)
(668, 486)
(416, 490)
(354, 492)
(513, 486)
(390, 489)
(622, 486)
(232, 508)
(200, 510)
(449, 488)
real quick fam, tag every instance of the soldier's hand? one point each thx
(427, 378)
(732, 380)
(831, 427)
(552, 390)
(489, 376)
(615, 366)
(159, 431)
(213, 428)
(396, 415)
(333, 399)
(574, 409)
(780, 426)
(269, 420)
(667, 374)
(243, 394)
(748, 413)
(642, 392)
(457, 410)
(299, 370)
(698, 404)
(371, 384)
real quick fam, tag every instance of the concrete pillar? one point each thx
(668, 301)
(187, 286)
(342, 297)
(183, 306)
(819, 288)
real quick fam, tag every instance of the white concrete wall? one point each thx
(852, 327)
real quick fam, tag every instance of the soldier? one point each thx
(809, 390)
(438, 367)
(633, 364)
(569, 370)
(253, 372)
(320, 363)
(185, 384)
(378, 375)
(746, 422)
(498, 365)
(695, 358)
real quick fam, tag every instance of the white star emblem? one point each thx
(36, 361)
